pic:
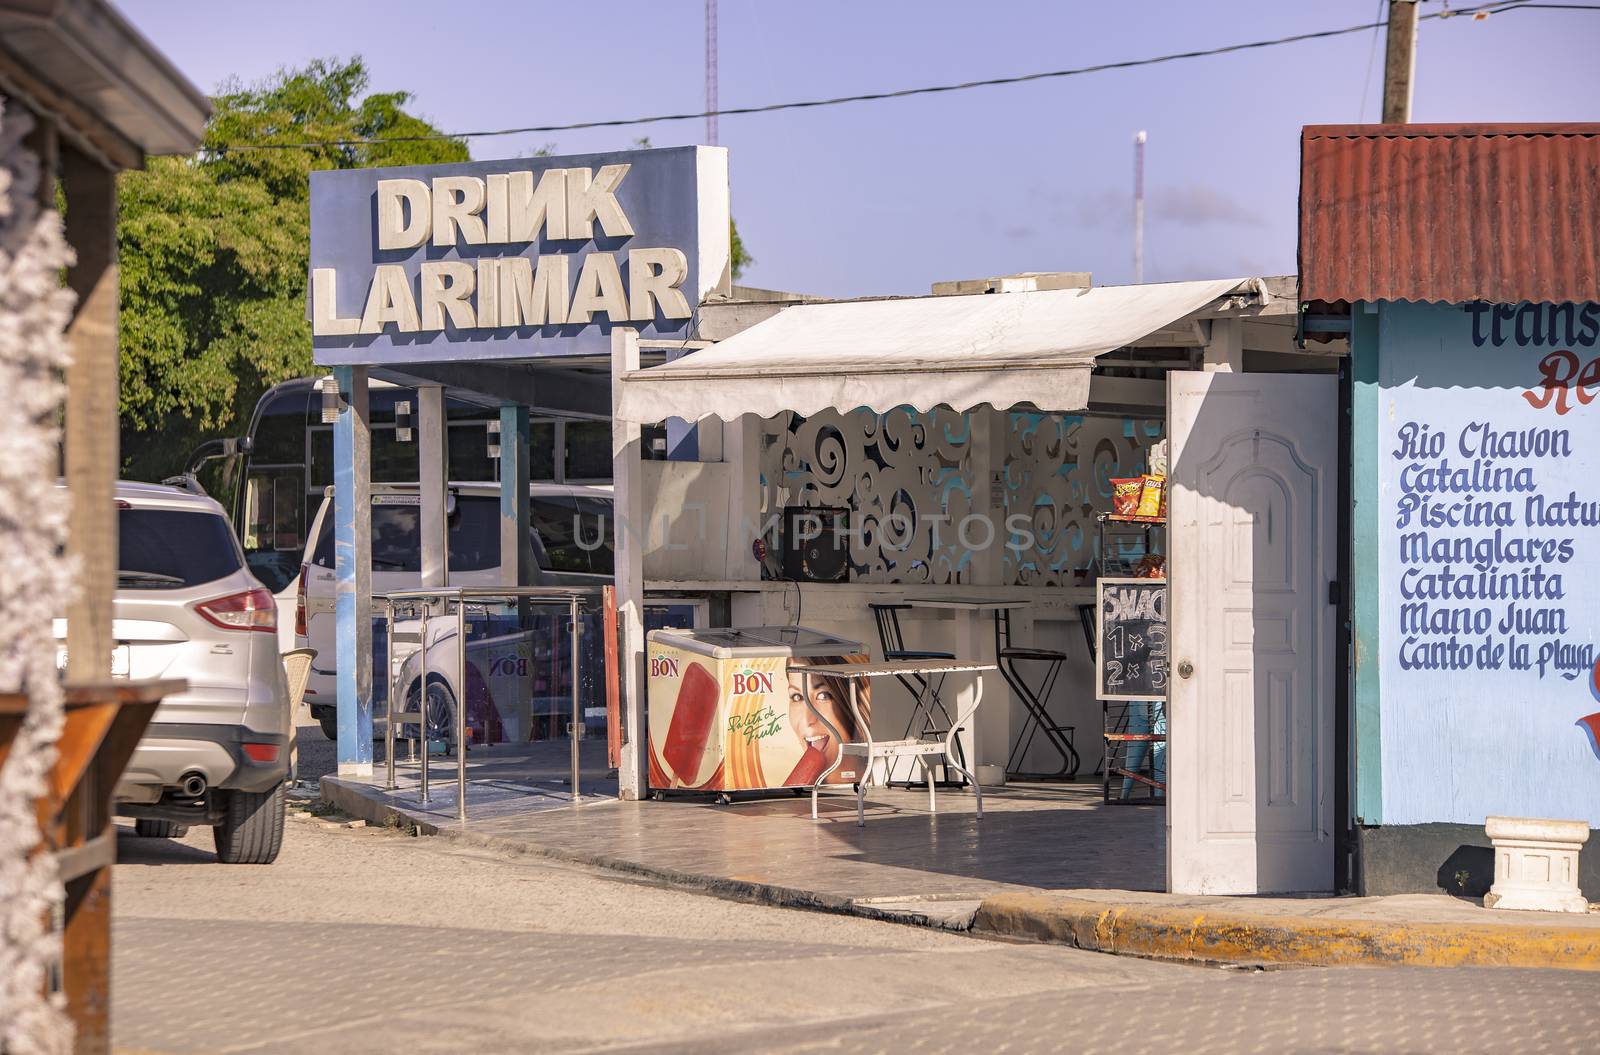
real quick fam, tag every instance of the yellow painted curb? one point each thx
(1239, 937)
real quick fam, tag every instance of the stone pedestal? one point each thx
(1536, 864)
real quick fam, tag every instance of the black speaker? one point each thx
(816, 544)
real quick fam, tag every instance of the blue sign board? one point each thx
(514, 259)
(1489, 561)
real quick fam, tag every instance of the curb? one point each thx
(360, 803)
(1098, 926)
(1242, 938)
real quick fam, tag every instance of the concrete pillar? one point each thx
(633, 775)
(1224, 353)
(91, 441)
(433, 471)
(352, 551)
(741, 450)
(990, 429)
(516, 553)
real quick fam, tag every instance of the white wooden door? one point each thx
(1250, 716)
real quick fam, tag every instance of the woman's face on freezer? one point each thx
(825, 698)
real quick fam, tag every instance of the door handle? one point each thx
(1185, 669)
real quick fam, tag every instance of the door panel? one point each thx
(1251, 730)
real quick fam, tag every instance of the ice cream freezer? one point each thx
(726, 714)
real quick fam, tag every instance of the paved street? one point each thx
(366, 940)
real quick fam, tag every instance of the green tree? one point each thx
(214, 252)
(739, 258)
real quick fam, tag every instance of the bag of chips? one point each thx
(1125, 494)
(1152, 495)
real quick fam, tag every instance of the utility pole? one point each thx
(1138, 207)
(1400, 62)
(711, 73)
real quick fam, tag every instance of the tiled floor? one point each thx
(1031, 836)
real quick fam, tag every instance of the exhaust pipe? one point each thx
(193, 785)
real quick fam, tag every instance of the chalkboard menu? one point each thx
(1131, 639)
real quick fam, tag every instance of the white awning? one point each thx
(1001, 349)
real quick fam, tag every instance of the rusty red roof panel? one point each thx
(1503, 213)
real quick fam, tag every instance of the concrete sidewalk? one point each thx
(1046, 863)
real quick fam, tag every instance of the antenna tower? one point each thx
(711, 72)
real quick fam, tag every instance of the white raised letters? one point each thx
(446, 285)
(404, 213)
(496, 292)
(457, 201)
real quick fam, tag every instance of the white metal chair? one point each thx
(925, 749)
(296, 673)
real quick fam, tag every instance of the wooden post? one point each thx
(1399, 62)
(91, 442)
(633, 775)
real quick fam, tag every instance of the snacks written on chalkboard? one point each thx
(1125, 496)
(1131, 631)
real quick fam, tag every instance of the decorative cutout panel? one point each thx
(1059, 469)
(908, 480)
(898, 473)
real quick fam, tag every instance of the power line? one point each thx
(902, 93)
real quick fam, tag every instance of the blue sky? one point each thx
(888, 197)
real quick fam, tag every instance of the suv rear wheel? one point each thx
(330, 725)
(160, 829)
(251, 832)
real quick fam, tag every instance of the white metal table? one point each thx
(975, 639)
(915, 747)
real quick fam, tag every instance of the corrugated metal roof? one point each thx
(1503, 213)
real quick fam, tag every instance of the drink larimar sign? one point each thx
(513, 259)
(1489, 552)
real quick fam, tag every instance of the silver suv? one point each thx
(187, 607)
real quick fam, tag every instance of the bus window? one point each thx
(474, 536)
(542, 450)
(469, 453)
(272, 529)
(279, 436)
(595, 527)
(393, 461)
(588, 450)
(553, 519)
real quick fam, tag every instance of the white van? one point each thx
(570, 534)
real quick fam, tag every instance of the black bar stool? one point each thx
(1034, 699)
(924, 690)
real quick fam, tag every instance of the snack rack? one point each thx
(1128, 729)
(1114, 530)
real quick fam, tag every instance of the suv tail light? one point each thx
(250, 610)
(300, 603)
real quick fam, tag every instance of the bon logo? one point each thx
(663, 667)
(509, 666)
(751, 681)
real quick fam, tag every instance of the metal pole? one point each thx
(422, 702)
(461, 707)
(577, 715)
(389, 710)
(1138, 207)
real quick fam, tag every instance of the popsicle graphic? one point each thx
(692, 718)
(809, 768)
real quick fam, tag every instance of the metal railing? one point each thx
(574, 599)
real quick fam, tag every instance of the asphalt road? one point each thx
(372, 941)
